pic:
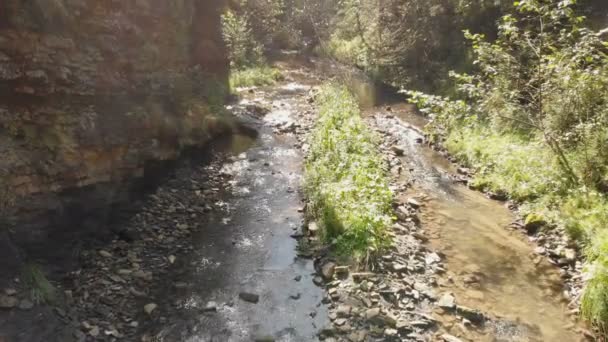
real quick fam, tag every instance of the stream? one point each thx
(247, 246)
(215, 254)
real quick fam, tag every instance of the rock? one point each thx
(25, 304)
(340, 321)
(8, 302)
(171, 259)
(297, 278)
(295, 296)
(570, 255)
(534, 222)
(342, 270)
(399, 151)
(149, 308)
(328, 269)
(450, 338)
(249, 297)
(317, 280)
(357, 277)
(210, 307)
(398, 267)
(463, 171)
(414, 203)
(313, 227)
(390, 332)
(372, 313)
(475, 316)
(344, 311)
(432, 258)
(447, 301)
(105, 254)
(94, 331)
(10, 292)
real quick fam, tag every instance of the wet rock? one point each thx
(249, 297)
(8, 302)
(149, 308)
(447, 301)
(450, 338)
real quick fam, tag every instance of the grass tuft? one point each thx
(345, 178)
(42, 291)
(254, 77)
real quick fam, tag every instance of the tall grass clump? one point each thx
(42, 291)
(345, 181)
(531, 123)
(254, 77)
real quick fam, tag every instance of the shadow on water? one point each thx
(489, 267)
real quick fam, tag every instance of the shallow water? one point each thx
(490, 267)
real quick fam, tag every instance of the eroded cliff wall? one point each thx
(92, 90)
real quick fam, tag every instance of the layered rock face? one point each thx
(91, 91)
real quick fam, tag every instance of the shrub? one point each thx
(345, 179)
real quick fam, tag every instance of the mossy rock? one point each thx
(534, 222)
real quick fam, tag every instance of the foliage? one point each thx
(530, 121)
(256, 76)
(410, 43)
(345, 179)
(244, 51)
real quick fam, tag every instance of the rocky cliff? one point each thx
(92, 91)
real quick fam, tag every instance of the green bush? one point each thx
(345, 179)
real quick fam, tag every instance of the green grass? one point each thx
(42, 291)
(345, 179)
(528, 172)
(254, 77)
